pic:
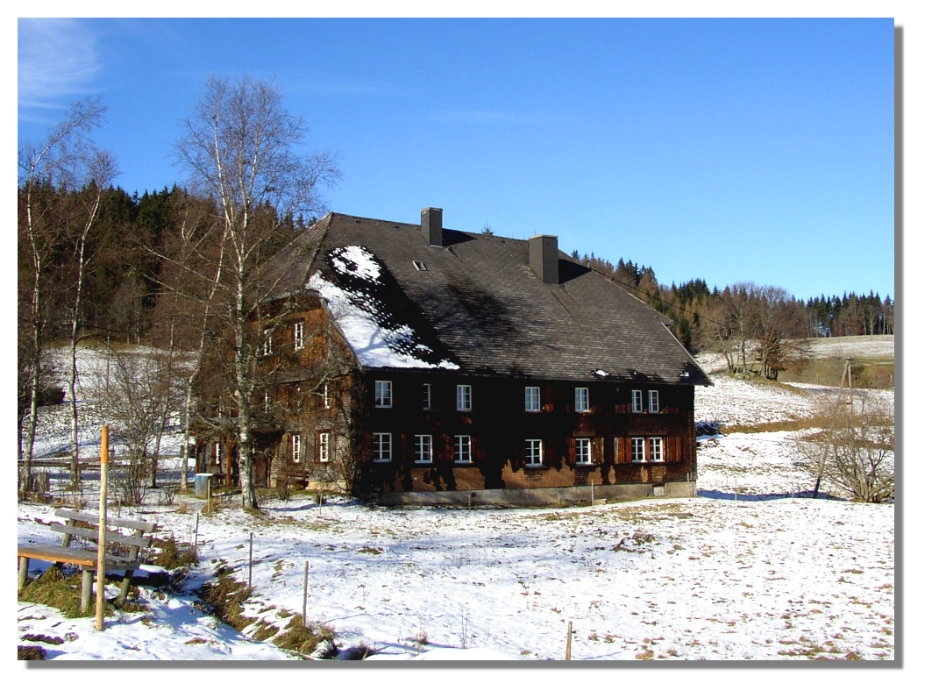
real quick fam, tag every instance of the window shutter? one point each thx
(549, 452)
(571, 451)
(674, 445)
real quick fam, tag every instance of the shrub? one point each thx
(854, 450)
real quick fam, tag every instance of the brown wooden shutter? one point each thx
(549, 452)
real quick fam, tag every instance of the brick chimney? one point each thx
(544, 257)
(432, 226)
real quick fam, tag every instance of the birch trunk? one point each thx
(75, 333)
(36, 342)
(244, 387)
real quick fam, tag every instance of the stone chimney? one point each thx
(544, 257)
(432, 226)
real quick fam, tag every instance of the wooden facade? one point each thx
(504, 442)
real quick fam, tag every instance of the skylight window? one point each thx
(419, 265)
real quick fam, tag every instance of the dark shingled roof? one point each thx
(480, 304)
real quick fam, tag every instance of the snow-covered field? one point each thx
(749, 570)
(870, 347)
(866, 347)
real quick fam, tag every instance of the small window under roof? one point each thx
(419, 265)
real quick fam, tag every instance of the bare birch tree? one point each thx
(59, 163)
(241, 149)
(99, 170)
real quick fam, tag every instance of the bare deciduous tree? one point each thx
(98, 171)
(137, 393)
(194, 256)
(776, 324)
(241, 149)
(758, 329)
(853, 451)
(61, 162)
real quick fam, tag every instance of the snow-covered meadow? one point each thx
(749, 570)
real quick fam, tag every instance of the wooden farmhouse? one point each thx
(414, 363)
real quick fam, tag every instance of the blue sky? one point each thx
(728, 150)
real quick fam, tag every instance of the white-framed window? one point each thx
(383, 394)
(463, 397)
(532, 399)
(382, 447)
(656, 450)
(582, 399)
(427, 396)
(423, 448)
(326, 395)
(267, 401)
(217, 452)
(462, 448)
(296, 447)
(266, 347)
(324, 447)
(534, 452)
(298, 335)
(637, 401)
(654, 406)
(583, 451)
(638, 449)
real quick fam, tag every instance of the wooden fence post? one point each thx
(568, 642)
(305, 598)
(101, 540)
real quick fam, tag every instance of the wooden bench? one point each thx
(122, 550)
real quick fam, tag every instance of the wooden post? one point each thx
(305, 597)
(568, 643)
(196, 537)
(23, 572)
(86, 590)
(101, 541)
(250, 563)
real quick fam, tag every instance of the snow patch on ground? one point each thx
(694, 579)
(734, 401)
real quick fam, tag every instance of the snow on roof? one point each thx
(358, 262)
(376, 338)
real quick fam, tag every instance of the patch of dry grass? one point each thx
(60, 590)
